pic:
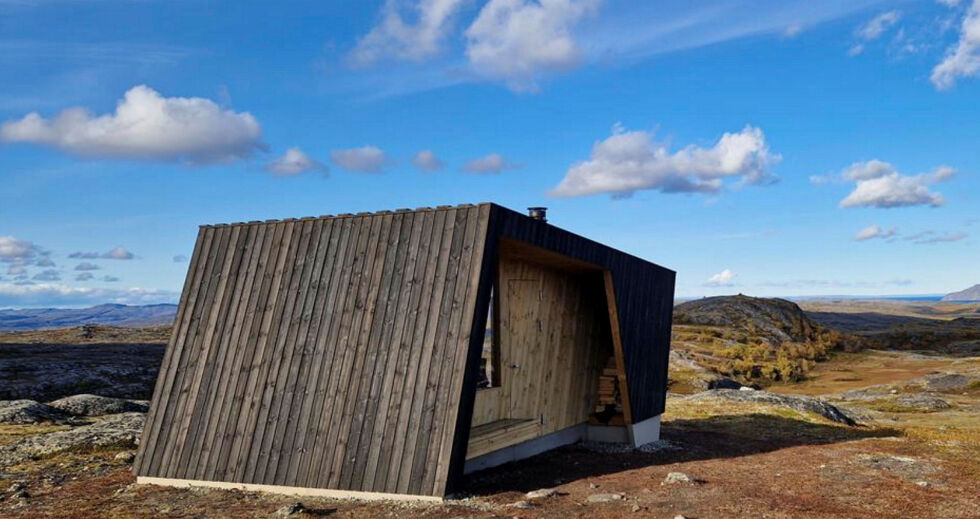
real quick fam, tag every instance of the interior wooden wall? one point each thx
(551, 326)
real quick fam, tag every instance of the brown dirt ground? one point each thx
(754, 461)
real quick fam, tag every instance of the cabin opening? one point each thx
(548, 361)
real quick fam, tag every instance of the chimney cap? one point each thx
(538, 213)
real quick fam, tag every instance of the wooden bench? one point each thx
(501, 433)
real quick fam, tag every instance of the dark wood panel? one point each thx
(324, 352)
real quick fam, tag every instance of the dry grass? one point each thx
(89, 334)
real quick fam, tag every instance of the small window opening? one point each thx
(490, 357)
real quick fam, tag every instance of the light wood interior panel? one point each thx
(553, 339)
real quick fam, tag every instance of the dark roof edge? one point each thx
(580, 237)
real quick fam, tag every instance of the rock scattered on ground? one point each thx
(679, 477)
(542, 493)
(290, 510)
(122, 430)
(922, 402)
(126, 456)
(604, 498)
(29, 412)
(95, 405)
(522, 504)
(797, 403)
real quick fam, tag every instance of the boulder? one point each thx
(95, 405)
(798, 403)
(678, 477)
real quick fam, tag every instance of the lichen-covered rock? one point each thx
(29, 412)
(95, 405)
(922, 402)
(798, 403)
(946, 382)
(121, 430)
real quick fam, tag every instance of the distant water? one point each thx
(913, 298)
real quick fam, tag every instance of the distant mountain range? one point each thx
(970, 294)
(113, 315)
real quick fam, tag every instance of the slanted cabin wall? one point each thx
(321, 353)
(552, 339)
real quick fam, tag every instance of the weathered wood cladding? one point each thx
(322, 352)
(343, 352)
(644, 294)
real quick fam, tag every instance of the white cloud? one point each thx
(949, 3)
(492, 163)
(931, 237)
(963, 59)
(12, 249)
(875, 231)
(875, 27)
(421, 38)
(721, 279)
(522, 41)
(366, 159)
(118, 253)
(629, 161)
(426, 160)
(879, 184)
(16, 269)
(145, 126)
(294, 162)
(83, 266)
(57, 294)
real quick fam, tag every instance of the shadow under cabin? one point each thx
(388, 354)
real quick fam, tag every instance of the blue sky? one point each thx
(783, 148)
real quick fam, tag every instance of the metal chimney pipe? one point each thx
(538, 213)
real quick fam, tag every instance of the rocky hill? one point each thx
(775, 320)
(108, 314)
(970, 294)
(751, 339)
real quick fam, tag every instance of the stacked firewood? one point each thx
(608, 386)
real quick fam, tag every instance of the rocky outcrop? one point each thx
(797, 403)
(29, 412)
(776, 320)
(95, 405)
(121, 430)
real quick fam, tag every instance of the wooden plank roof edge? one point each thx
(439, 208)
(351, 215)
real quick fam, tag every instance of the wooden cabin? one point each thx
(386, 355)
